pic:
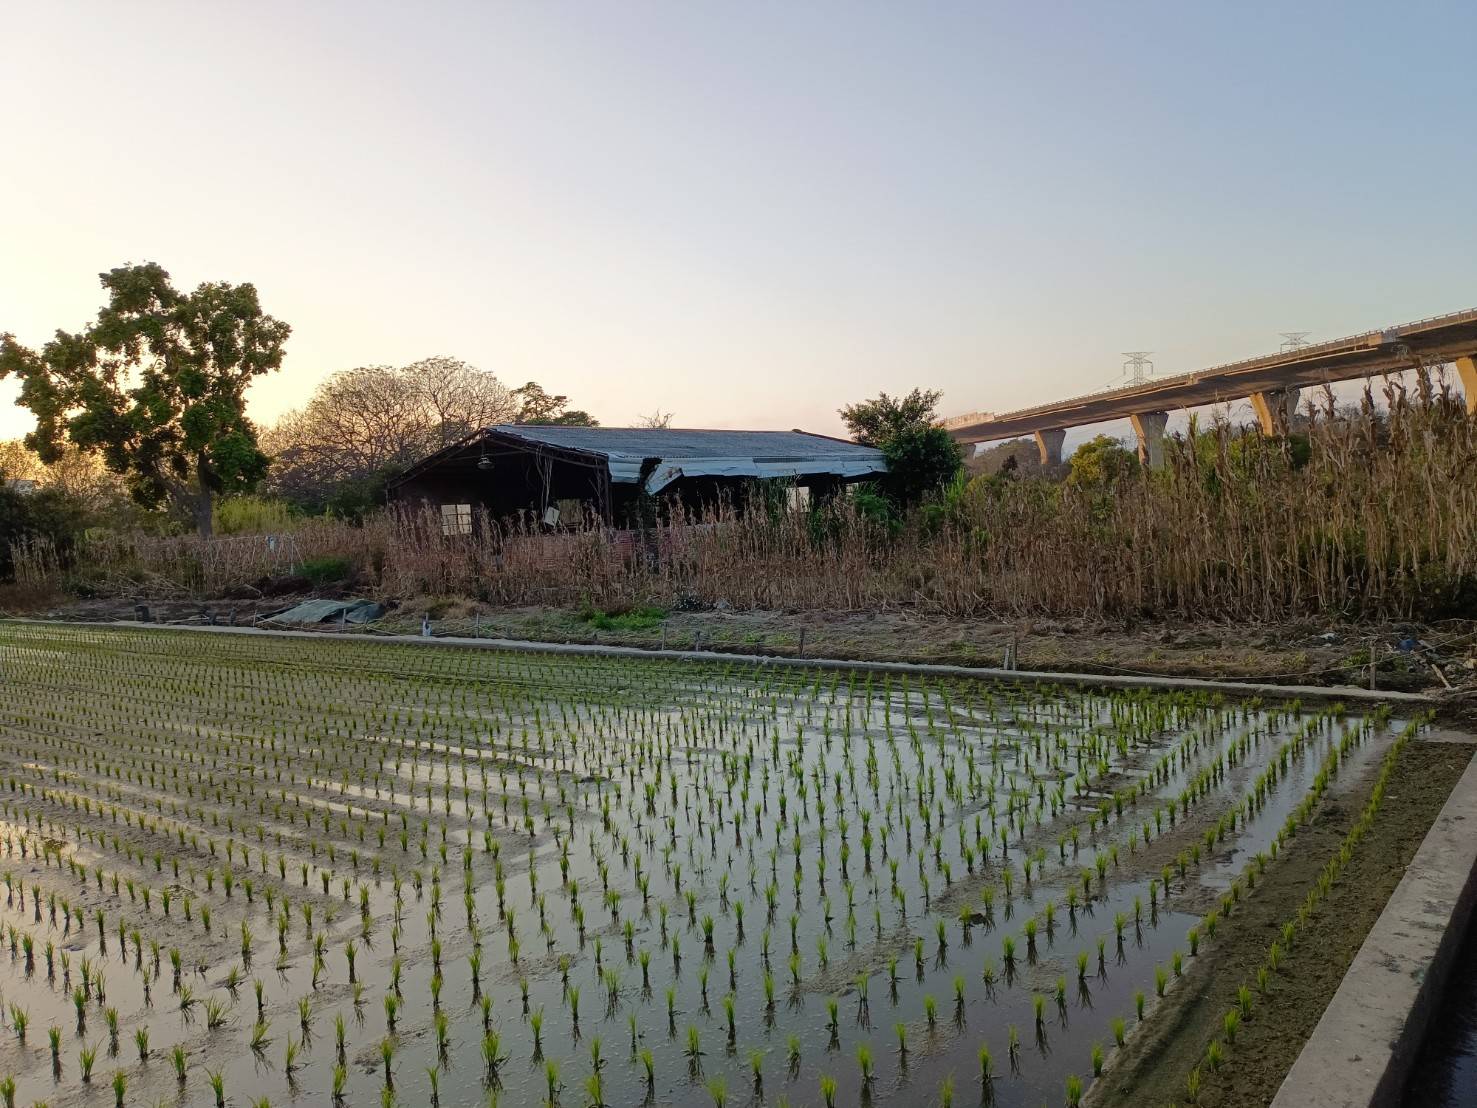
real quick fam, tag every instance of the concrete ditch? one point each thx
(1361, 1052)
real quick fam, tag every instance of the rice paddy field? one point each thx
(250, 870)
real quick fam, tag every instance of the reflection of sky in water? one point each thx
(595, 749)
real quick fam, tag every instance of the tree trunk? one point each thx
(204, 511)
(203, 504)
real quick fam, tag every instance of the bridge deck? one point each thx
(1429, 341)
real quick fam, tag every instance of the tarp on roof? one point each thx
(679, 453)
(830, 466)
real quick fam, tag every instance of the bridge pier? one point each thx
(1149, 427)
(1275, 408)
(1049, 442)
(1466, 371)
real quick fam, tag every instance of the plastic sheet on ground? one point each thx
(330, 611)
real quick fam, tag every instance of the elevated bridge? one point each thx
(1272, 383)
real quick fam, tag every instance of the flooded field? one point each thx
(242, 869)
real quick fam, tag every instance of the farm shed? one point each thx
(551, 472)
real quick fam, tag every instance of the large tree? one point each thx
(364, 425)
(156, 386)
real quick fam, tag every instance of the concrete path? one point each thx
(1360, 1054)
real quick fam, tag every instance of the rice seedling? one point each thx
(387, 1059)
(1214, 1055)
(609, 815)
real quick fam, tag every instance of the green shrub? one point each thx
(325, 571)
(242, 515)
(633, 619)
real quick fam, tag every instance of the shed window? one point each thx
(456, 519)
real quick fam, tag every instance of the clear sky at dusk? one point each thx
(748, 213)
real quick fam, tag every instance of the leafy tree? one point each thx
(920, 460)
(921, 456)
(536, 405)
(874, 422)
(1102, 462)
(156, 386)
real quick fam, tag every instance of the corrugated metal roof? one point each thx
(648, 442)
(668, 455)
(707, 453)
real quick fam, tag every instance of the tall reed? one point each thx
(1369, 515)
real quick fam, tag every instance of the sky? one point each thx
(747, 214)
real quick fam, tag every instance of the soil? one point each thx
(1296, 652)
(1152, 1070)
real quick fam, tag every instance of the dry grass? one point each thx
(1380, 521)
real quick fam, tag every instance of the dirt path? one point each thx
(1296, 652)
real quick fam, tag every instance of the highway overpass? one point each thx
(1272, 383)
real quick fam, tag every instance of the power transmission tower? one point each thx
(1137, 368)
(1292, 340)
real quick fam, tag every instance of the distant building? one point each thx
(549, 473)
(22, 485)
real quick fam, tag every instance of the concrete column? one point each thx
(1049, 442)
(1149, 427)
(1466, 370)
(1275, 409)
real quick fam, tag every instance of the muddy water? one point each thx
(130, 745)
